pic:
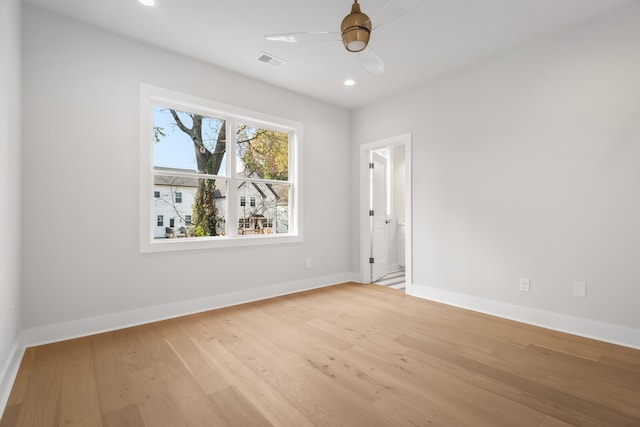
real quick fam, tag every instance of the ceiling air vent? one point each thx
(270, 60)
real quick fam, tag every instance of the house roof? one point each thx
(188, 182)
(262, 188)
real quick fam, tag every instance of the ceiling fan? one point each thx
(355, 31)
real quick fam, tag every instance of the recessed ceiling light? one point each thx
(148, 2)
(349, 82)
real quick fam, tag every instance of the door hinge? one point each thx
(371, 261)
(371, 165)
(371, 212)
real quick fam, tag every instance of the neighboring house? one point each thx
(260, 208)
(172, 205)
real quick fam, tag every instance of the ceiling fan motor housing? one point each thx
(356, 29)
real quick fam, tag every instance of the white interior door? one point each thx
(379, 221)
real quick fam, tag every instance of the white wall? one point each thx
(528, 166)
(81, 132)
(10, 113)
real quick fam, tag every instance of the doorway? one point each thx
(385, 220)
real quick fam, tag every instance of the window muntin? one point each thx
(257, 161)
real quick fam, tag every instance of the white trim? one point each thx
(9, 372)
(363, 160)
(607, 332)
(109, 322)
(150, 95)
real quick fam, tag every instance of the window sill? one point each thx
(199, 243)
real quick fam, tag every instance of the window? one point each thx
(212, 158)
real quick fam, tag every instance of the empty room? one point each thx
(320, 213)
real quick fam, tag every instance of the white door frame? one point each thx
(363, 214)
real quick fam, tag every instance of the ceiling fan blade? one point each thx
(392, 9)
(310, 37)
(371, 61)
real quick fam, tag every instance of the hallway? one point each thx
(394, 280)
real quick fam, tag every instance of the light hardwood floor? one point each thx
(347, 355)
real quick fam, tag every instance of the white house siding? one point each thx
(166, 206)
(275, 216)
(266, 204)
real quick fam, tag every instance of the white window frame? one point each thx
(152, 95)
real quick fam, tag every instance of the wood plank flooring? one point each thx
(347, 355)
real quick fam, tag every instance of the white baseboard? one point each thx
(93, 325)
(9, 372)
(615, 334)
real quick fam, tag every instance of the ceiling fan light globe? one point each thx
(355, 46)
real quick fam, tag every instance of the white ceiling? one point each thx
(436, 37)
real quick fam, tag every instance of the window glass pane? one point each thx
(201, 211)
(262, 153)
(271, 211)
(188, 142)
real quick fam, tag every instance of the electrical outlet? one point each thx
(308, 262)
(580, 289)
(525, 285)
